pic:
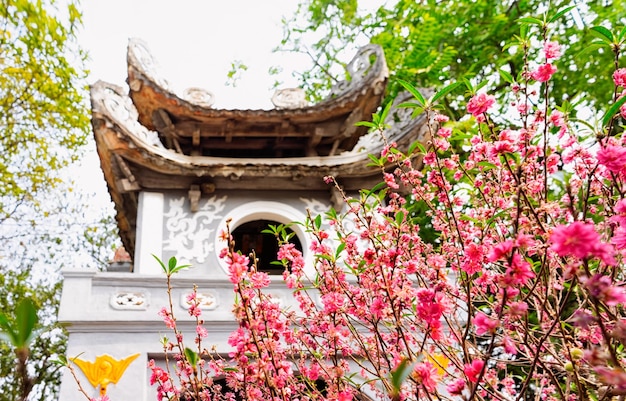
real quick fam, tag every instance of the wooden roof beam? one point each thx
(164, 125)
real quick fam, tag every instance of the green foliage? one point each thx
(44, 125)
(43, 113)
(172, 266)
(433, 43)
(19, 329)
(37, 303)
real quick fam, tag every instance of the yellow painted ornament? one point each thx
(104, 370)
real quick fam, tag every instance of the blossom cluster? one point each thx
(489, 264)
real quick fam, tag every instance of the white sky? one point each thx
(194, 42)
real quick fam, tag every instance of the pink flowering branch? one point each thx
(494, 271)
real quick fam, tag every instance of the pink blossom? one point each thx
(427, 306)
(345, 395)
(517, 308)
(425, 374)
(167, 318)
(509, 345)
(390, 180)
(558, 120)
(456, 386)
(620, 212)
(237, 267)
(619, 77)
(201, 332)
(444, 132)
(333, 302)
(484, 324)
(619, 238)
(622, 111)
(500, 251)
(577, 239)
(480, 103)
(543, 73)
(552, 50)
(613, 158)
(259, 280)
(602, 288)
(441, 118)
(519, 271)
(472, 370)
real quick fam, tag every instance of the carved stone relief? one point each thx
(206, 300)
(122, 109)
(290, 98)
(147, 63)
(129, 301)
(358, 69)
(190, 235)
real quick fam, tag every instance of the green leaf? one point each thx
(444, 91)
(61, 360)
(171, 264)
(622, 34)
(26, 320)
(417, 94)
(602, 33)
(378, 161)
(530, 21)
(610, 113)
(416, 145)
(506, 76)
(560, 13)
(399, 375)
(340, 249)
(591, 47)
(399, 218)
(318, 221)
(163, 267)
(192, 357)
(385, 112)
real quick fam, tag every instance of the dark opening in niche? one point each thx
(248, 237)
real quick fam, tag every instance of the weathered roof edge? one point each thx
(368, 81)
(124, 144)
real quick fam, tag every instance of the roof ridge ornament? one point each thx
(290, 98)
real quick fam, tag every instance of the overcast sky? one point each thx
(194, 42)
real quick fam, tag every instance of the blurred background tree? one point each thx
(431, 43)
(45, 224)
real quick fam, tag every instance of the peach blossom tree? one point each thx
(507, 285)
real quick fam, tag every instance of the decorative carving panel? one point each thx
(122, 109)
(129, 300)
(190, 235)
(206, 300)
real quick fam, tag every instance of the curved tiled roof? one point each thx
(324, 128)
(138, 154)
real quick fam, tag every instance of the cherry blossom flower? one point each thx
(472, 370)
(543, 73)
(601, 287)
(552, 50)
(167, 318)
(456, 386)
(480, 103)
(201, 331)
(558, 120)
(619, 77)
(484, 324)
(425, 374)
(577, 239)
(613, 158)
